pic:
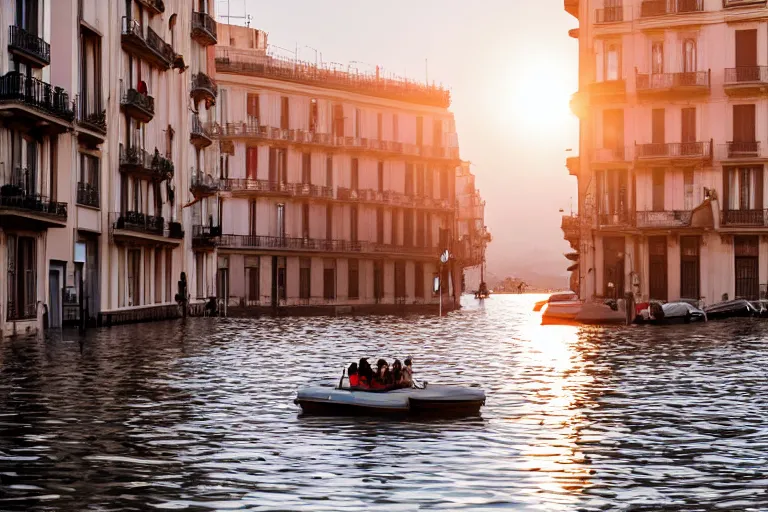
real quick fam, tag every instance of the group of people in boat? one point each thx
(362, 376)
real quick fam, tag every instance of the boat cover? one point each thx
(680, 309)
(396, 399)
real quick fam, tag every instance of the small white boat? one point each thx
(555, 297)
(561, 311)
(430, 400)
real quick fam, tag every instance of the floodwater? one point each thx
(200, 416)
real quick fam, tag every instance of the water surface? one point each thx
(200, 416)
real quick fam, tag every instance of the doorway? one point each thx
(54, 299)
(657, 268)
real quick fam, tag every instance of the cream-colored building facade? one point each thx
(674, 141)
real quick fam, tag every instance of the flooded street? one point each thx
(200, 416)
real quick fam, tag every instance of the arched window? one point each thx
(171, 26)
(689, 56)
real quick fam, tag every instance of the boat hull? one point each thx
(431, 401)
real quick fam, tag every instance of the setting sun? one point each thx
(539, 96)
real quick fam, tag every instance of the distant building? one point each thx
(671, 168)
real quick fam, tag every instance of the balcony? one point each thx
(653, 8)
(684, 83)
(572, 7)
(36, 101)
(622, 154)
(745, 81)
(88, 194)
(571, 228)
(663, 219)
(21, 207)
(319, 245)
(28, 47)
(204, 29)
(203, 185)
(138, 162)
(139, 106)
(738, 151)
(199, 135)
(684, 152)
(253, 186)
(205, 237)
(134, 226)
(615, 14)
(153, 6)
(92, 119)
(743, 218)
(247, 62)
(727, 4)
(312, 191)
(204, 88)
(619, 219)
(151, 48)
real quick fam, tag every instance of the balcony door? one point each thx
(746, 55)
(744, 136)
(689, 56)
(613, 62)
(688, 132)
(27, 15)
(614, 11)
(658, 135)
(658, 176)
(657, 267)
(613, 267)
(746, 267)
(657, 58)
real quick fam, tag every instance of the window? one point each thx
(338, 120)
(408, 228)
(329, 222)
(27, 15)
(251, 163)
(657, 178)
(688, 199)
(689, 56)
(281, 220)
(278, 165)
(329, 279)
(313, 115)
(358, 122)
(658, 126)
(305, 278)
(88, 185)
(353, 279)
(378, 280)
(612, 192)
(437, 134)
(746, 56)
(657, 57)
(90, 101)
(22, 277)
(744, 189)
(379, 124)
(688, 117)
(353, 224)
(420, 180)
(252, 280)
(252, 219)
(409, 179)
(329, 171)
(419, 131)
(224, 166)
(284, 113)
(613, 62)
(253, 109)
(395, 226)
(134, 266)
(381, 176)
(419, 280)
(354, 174)
(306, 168)
(400, 280)
(305, 220)
(395, 128)
(282, 283)
(379, 226)
(420, 219)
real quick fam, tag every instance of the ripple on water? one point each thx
(199, 416)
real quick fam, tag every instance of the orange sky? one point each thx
(511, 67)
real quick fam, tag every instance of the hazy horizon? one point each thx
(510, 78)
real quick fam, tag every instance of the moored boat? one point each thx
(433, 400)
(731, 309)
(671, 313)
(561, 311)
(556, 297)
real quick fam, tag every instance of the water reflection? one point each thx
(199, 415)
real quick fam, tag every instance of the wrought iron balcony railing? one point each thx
(651, 8)
(150, 47)
(203, 184)
(139, 222)
(92, 118)
(617, 154)
(18, 192)
(151, 165)
(204, 29)
(154, 6)
(663, 219)
(753, 218)
(15, 87)
(614, 14)
(746, 75)
(616, 219)
(88, 194)
(657, 82)
(199, 134)
(204, 88)
(691, 150)
(735, 150)
(317, 245)
(30, 45)
(254, 185)
(137, 105)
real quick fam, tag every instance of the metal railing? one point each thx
(137, 159)
(316, 244)
(674, 150)
(618, 154)
(88, 194)
(743, 217)
(18, 192)
(25, 312)
(134, 98)
(202, 182)
(746, 74)
(663, 219)
(620, 218)
(251, 128)
(91, 117)
(248, 184)
(15, 87)
(249, 62)
(199, 128)
(159, 46)
(742, 3)
(308, 190)
(615, 14)
(663, 81)
(202, 21)
(651, 8)
(152, 42)
(158, 6)
(139, 222)
(20, 39)
(201, 81)
(734, 150)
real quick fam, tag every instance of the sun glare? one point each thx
(539, 98)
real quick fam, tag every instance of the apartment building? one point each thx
(673, 104)
(335, 187)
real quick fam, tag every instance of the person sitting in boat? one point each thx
(383, 378)
(354, 378)
(406, 380)
(397, 374)
(364, 373)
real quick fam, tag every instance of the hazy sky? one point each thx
(511, 68)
